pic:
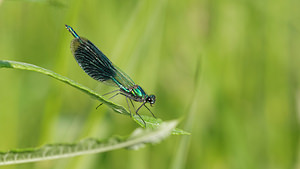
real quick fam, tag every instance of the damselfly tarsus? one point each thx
(100, 68)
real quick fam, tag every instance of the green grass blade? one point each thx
(31, 67)
(139, 138)
(150, 121)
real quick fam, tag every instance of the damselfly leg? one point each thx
(110, 97)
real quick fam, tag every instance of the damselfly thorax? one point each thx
(137, 94)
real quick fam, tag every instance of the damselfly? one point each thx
(100, 68)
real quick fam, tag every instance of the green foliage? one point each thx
(228, 69)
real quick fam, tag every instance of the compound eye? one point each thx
(151, 99)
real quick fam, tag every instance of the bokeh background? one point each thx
(228, 68)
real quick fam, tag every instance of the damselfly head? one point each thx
(151, 99)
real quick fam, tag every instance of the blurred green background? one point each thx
(230, 68)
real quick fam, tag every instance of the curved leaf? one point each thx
(136, 140)
(31, 67)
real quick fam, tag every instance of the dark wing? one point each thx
(97, 65)
(92, 60)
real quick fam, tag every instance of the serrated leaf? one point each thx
(136, 140)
